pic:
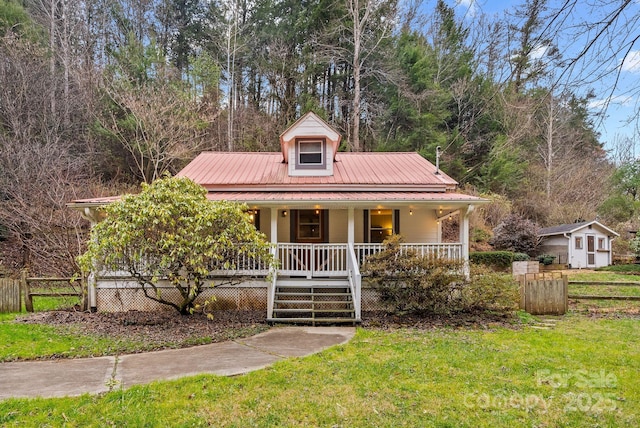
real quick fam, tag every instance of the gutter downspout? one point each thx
(569, 249)
(611, 250)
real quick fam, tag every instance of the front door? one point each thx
(591, 250)
(309, 227)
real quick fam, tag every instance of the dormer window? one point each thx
(310, 153)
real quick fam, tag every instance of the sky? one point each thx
(623, 102)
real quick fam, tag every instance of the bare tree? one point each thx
(157, 124)
(371, 23)
(41, 163)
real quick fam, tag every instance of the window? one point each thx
(579, 243)
(310, 153)
(254, 218)
(601, 244)
(309, 226)
(381, 225)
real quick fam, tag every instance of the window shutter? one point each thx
(325, 225)
(293, 225)
(365, 221)
(396, 222)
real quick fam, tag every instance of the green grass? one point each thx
(582, 373)
(50, 303)
(633, 268)
(20, 341)
(602, 276)
(604, 290)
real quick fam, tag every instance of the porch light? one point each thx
(317, 211)
(449, 216)
(440, 211)
(410, 212)
(284, 213)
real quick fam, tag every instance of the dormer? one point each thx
(309, 146)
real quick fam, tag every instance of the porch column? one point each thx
(350, 226)
(464, 236)
(274, 225)
(91, 214)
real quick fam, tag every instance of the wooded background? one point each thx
(99, 95)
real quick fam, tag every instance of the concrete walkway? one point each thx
(58, 378)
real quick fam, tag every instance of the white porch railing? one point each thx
(450, 251)
(311, 260)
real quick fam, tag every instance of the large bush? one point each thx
(170, 230)
(412, 283)
(516, 233)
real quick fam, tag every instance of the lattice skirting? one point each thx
(119, 296)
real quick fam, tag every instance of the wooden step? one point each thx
(293, 293)
(311, 302)
(316, 311)
(312, 283)
(314, 320)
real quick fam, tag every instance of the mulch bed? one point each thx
(157, 330)
(167, 329)
(474, 320)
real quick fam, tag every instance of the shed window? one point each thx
(579, 243)
(601, 244)
(310, 153)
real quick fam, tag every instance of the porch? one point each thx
(321, 283)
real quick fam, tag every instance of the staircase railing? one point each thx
(355, 280)
(271, 287)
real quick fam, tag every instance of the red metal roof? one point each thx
(233, 169)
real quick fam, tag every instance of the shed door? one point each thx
(591, 250)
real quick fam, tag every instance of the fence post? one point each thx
(84, 297)
(24, 284)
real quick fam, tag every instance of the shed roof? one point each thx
(236, 169)
(573, 227)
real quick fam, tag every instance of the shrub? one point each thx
(489, 290)
(411, 283)
(521, 257)
(634, 246)
(480, 235)
(499, 260)
(517, 234)
(546, 259)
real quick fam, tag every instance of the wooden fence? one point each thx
(544, 293)
(13, 290)
(605, 297)
(9, 295)
(69, 287)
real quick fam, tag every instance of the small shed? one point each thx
(584, 244)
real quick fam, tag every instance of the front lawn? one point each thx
(582, 372)
(71, 334)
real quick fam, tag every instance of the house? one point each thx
(584, 244)
(324, 211)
